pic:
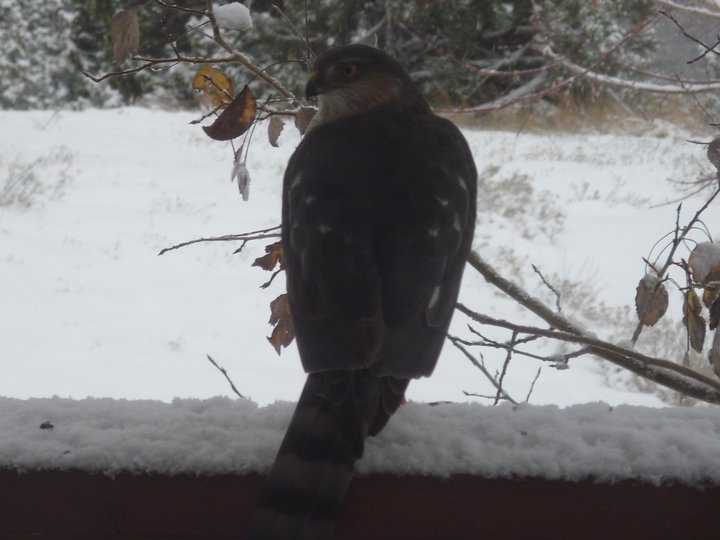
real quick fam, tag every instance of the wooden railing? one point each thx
(76, 505)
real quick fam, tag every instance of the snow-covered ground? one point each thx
(88, 308)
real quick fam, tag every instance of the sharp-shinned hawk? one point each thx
(377, 221)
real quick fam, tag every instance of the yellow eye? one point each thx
(349, 71)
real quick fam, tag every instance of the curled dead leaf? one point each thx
(693, 320)
(124, 34)
(273, 256)
(651, 300)
(714, 318)
(241, 175)
(704, 262)
(214, 85)
(236, 119)
(303, 117)
(275, 128)
(284, 331)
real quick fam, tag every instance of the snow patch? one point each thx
(234, 16)
(89, 309)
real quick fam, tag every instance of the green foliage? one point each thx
(444, 45)
(440, 43)
(34, 62)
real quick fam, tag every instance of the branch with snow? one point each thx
(588, 73)
(240, 57)
(542, 85)
(233, 16)
(668, 4)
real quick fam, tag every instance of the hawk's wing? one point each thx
(378, 217)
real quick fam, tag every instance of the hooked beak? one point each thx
(312, 89)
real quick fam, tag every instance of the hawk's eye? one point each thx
(349, 71)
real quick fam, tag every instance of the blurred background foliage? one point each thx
(447, 45)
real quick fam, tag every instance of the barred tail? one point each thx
(314, 466)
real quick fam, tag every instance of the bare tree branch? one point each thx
(663, 372)
(708, 48)
(261, 234)
(506, 364)
(500, 391)
(532, 384)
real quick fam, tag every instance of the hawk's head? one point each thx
(354, 79)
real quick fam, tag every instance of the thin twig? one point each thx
(473, 394)
(261, 234)
(506, 363)
(532, 384)
(487, 342)
(457, 343)
(708, 48)
(549, 286)
(224, 372)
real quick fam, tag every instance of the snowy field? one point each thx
(88, 308)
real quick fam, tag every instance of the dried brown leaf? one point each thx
(713, 153)
(236, 119)
(651, 300)
(714, 318)
(284, 331)
(693, 320)
(125, 34)
(273, 256)
(303, 118)
(216, 87)
(709, 295)
(275, 128)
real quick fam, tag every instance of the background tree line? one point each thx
(461, 52)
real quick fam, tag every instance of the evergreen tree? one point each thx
(36, 61)
(444, 45)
